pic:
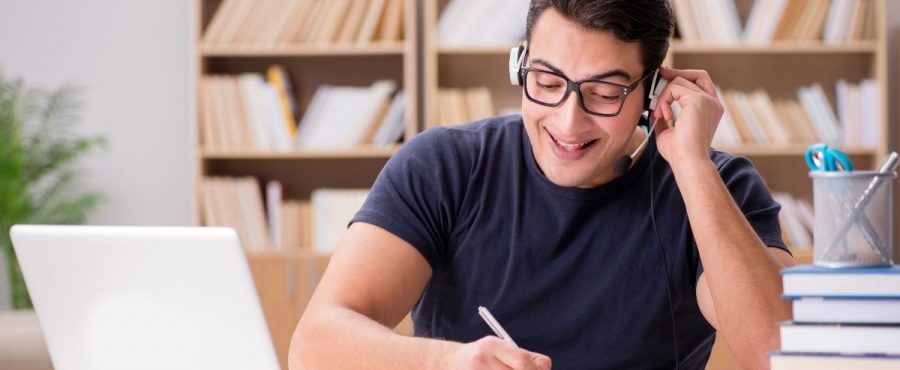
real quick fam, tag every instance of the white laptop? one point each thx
(144, 297)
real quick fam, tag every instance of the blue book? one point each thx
(868, 282)
(840, 338)
(832, 361)
(875, 310)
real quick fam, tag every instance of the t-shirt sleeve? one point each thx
(415, 197)
(754, 199)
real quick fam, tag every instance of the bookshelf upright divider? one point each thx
(315, 44)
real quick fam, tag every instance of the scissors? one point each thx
(821, 157)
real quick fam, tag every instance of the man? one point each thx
(583, 267)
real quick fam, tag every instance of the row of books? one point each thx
(797, 221)
(831, 21)
(455, 106)
(282, 22)
(249, 112)
(755, 118)
(346, 117)
(272, 222)
(845, 318)
(479, 22)
(236, 203)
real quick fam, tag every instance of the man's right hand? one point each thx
(493, 353)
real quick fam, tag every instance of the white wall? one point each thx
(133, 59)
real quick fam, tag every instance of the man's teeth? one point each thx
(568, 146)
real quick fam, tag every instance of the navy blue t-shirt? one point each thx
(576, 274)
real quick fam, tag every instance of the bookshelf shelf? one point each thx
(502, 50)
(793, 48)
(364, 152)
(303, 50)
(789, 150)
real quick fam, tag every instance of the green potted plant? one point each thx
(38, 180)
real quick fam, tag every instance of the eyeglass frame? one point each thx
(576, 87)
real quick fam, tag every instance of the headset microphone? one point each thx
(624, 163)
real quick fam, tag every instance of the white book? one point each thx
(684, 18)
(704, 21)
(312, 113)
(450, 18)
(770, 22)
(253, 109)
(504, 25)
(726, 23)
(753, 122)
(837, 20)
(832, 361)
(726, 133)
(798, 234)
(840, 338)
(870, 112)
(808, 280)
(760, 98)
(753, 27)
(848, 311)
(391, 128)
(826, 129)
(273, 212)
(337, 115)
(332, 211)
(379, 94)
(467, 27)
(276, 126)
(807, 216)
(827, 112)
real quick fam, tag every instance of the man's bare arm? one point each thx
(373, 280)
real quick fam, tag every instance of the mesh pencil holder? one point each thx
(853, 221)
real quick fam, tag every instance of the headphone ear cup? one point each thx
(515, 65)
(656, 87)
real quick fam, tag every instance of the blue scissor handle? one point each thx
(821, 157)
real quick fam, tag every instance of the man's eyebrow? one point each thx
(599, 76)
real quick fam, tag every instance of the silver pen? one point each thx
(495, 326)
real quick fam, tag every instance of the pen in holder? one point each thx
(853, 210)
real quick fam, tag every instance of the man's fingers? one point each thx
(695, 76)
(520, 359)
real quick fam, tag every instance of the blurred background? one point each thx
(213, 110)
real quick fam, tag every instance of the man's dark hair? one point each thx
(649, 22)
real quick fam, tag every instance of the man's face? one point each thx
(572, 147)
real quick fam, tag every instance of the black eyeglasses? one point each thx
(596, 97)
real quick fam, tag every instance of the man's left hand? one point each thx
(701, 110)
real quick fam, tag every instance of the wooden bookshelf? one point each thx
(286, 278)
(778, 67)
(420, 67)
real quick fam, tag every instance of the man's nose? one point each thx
(572, 117)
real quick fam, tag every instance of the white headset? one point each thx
(517, 60)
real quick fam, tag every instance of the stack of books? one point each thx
(846, 318)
